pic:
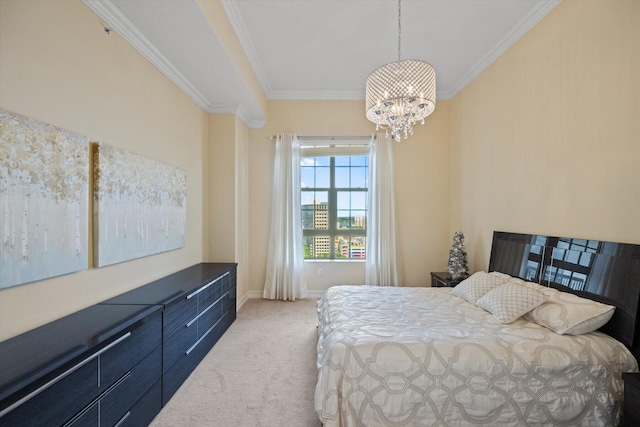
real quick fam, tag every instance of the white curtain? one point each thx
(382, 267)
(285, 266)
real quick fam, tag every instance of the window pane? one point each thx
(307, 218)
(358, 200)
(308, 161)
(322, 161)
(320, 216)
(344, 219)
(358, 219)
(314, 172)
(322, 177)
(316, 246)
(307, 245)
(359, 177)
(321, 246)
(342, 177)
(353, 247)
(307, 197)
(359, 160)
(307, 176)
(315, 210)
(344, 200)
(343, 160)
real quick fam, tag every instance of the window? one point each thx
(334, 202)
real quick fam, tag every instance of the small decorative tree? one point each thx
(457, 264)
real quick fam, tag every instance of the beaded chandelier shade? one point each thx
(401, 94)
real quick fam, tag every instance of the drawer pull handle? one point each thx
(196, 292)
(119, 423)
(186, 353)
(61, 376)
(207, 309)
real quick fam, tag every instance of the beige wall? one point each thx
(547, 139)
(227, 169)
(57, 65)
(422, 199)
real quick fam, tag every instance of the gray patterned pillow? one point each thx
(474, 287)
(510, 301)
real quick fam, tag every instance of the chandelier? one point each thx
(401, 94)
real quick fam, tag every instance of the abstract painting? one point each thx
(139, 206)
(44, 199)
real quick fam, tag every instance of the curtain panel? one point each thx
(285, 278)
(382, 266)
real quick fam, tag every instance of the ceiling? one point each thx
(316, 49)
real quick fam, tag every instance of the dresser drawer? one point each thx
(208, 318)
(144, 338)
(178, 315)
(212, 293)
(145, 410)
(115, 405)
(60, 401)
(175, 347)
(130, 388)
(188, 360)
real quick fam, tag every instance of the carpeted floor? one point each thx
(262, 372)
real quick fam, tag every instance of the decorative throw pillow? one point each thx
(474, 287)
(499, 274)
(510, 301)
(569, 314)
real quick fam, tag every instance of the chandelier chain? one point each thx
(399, 30)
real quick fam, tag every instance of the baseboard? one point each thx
(258, 294)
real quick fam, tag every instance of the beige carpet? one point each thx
(262, 372)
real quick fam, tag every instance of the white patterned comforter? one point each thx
(422, 357)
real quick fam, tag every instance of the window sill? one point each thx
(335, 260)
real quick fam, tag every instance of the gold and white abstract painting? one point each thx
(139, 206)
(44, 199)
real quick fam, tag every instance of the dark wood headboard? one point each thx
(608, 272)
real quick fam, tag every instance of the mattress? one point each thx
(423, 357)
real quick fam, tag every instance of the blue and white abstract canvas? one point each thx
(44, 199)
(139, 206)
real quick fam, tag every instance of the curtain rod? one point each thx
(329, 138)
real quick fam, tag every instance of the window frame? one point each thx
(332, 191)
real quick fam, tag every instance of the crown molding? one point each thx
(519, 30)
(237, 109)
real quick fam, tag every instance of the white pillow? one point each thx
(569, 314)
(510, 301)
(474, 287)
(499, 274)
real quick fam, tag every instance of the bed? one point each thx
(430, 357)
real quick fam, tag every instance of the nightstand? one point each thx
(631, 408)
(442, 279)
